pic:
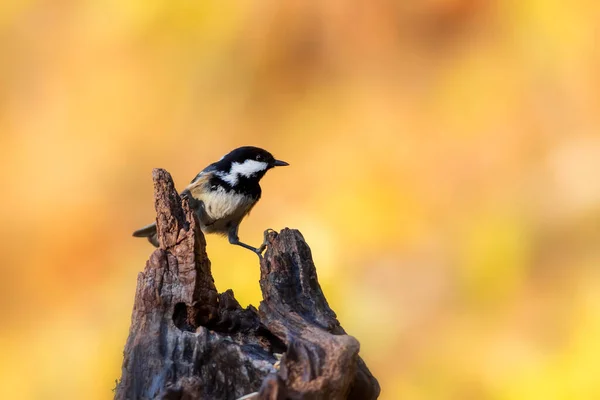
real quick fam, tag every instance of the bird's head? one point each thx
(246, 163)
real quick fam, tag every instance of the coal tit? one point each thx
(223, 193)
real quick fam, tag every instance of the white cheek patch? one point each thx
(247, 169)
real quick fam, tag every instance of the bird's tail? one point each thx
(148, 231)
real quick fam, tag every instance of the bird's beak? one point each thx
(279, 163)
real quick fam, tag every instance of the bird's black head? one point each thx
(246, 164)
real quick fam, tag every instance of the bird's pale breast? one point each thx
(224, 208)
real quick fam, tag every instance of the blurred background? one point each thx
(445, 163)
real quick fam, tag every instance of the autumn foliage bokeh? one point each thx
(445, 162)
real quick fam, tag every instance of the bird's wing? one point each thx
(196, 192)
(206, 171)
(199, 185)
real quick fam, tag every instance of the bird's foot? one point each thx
(264, 244)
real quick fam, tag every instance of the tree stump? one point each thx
(186, 341)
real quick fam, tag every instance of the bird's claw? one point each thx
(264, 244)
(266, 233)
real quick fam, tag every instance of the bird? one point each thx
(224, 192)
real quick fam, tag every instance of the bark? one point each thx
(186, 341)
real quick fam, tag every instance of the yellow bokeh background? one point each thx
(445, 170)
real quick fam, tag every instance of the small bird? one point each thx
(223, 193)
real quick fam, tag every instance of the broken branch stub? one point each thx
(321, 361)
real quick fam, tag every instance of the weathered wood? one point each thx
(186, 341)
(321, 360)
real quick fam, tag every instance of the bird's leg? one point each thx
(237, 242)
(234, 239)
(263, 246)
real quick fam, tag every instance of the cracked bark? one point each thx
(186, 341)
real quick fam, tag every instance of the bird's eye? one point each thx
(258, 157)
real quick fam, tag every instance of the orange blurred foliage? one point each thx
(444, 157)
